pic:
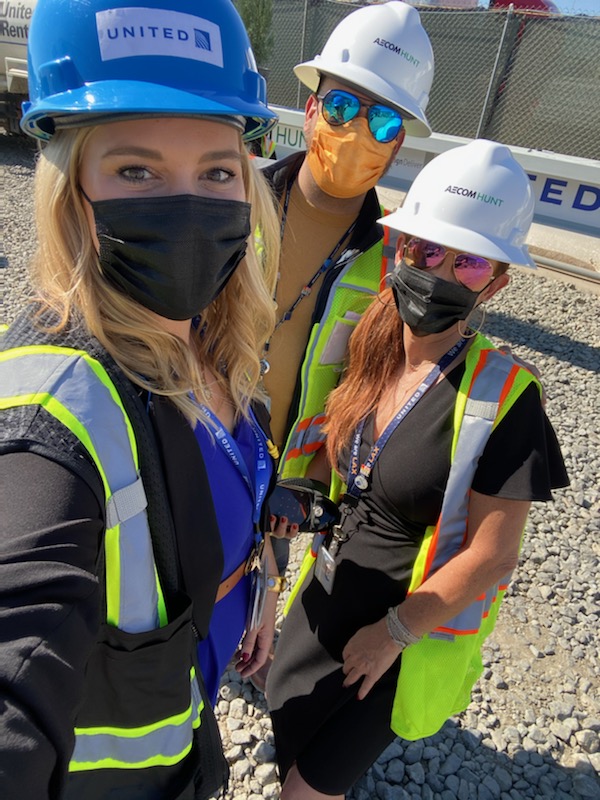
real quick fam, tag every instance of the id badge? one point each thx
(325, 569)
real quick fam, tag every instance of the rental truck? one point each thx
(15, 18)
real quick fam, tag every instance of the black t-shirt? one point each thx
(521, 461)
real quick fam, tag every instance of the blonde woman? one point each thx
(135, 447)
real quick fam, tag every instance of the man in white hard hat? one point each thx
(370, 86)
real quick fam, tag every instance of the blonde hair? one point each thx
(232, 331)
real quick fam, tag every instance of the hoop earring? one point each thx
(464, 326)
(383, 285)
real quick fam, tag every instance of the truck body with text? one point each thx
(15, 18)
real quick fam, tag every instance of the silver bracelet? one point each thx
(398, 632)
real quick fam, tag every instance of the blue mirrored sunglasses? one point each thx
(340, 107)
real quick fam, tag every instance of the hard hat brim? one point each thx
(310, 72)
(122, 97)
(457, 238)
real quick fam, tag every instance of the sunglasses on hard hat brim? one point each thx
(473, 272)
(340, 107)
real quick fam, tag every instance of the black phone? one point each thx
(303, 502)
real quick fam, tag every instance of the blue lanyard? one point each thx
(307, 289)
(229, 446)
(358, 480)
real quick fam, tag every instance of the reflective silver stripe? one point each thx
(309, 434)
(469, 619)
(357, 288)
(480, 413)
(170, 743)
(70, 380)
(314, 433)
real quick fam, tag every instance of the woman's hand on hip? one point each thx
(368, 655)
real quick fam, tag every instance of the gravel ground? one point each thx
(532, 729)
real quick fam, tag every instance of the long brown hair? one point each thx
(375, 355)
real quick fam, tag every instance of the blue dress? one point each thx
(234, 506)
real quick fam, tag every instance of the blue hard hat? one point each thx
(92, 60)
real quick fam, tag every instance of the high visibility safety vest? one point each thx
(438, 673)
(352, 292)
(142, 699)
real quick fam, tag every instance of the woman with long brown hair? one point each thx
(442, 443)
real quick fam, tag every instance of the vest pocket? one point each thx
(336, 347)
(140, 679)
(137, 730)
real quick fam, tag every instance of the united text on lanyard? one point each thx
(227, 443)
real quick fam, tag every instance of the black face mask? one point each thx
(428, 304)
(172, 255)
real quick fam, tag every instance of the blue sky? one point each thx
(579, 6)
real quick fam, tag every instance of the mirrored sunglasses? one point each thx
(340, 107)
(474, 272)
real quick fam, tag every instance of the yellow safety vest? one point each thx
(76, 390)
(438, 673)
(351, 294)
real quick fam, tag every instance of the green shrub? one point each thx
(258, 19)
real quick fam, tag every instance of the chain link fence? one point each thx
(524, 79)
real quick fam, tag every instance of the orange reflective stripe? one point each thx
(386, 242)
(484, 614)
(457, 632)
(312, 447)
(304, 444)
(480, 365)
(305, 450)
(431, 551)
(508, 384)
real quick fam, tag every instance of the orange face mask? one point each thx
(345, 160)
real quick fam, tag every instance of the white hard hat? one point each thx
(475, 199)
(384, 51)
